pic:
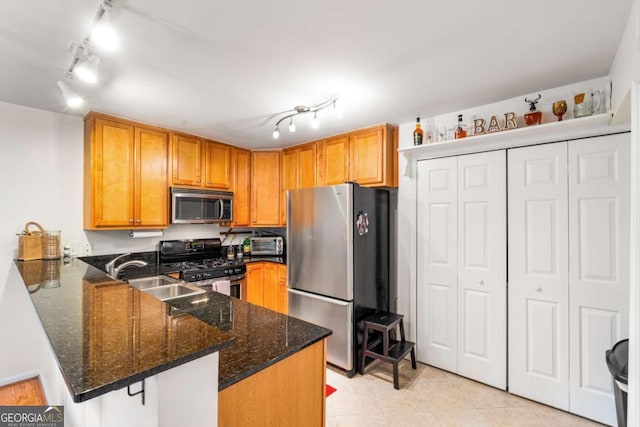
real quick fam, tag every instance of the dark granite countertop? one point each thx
(250, 338)
(261, 337)
(106, 334)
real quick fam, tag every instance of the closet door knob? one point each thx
(538, 288)
(481, 281)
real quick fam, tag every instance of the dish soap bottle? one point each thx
(246, 246)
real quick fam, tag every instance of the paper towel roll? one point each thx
(222, 286)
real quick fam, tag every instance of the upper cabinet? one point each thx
(364, 156)
(298, 171)
(217, 165)
(125, 175)
(200, 163)
(265, 188)
(241, 166)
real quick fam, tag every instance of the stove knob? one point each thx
(197, 276)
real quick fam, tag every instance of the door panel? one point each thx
(151, 191)
(599, 268)
(332, 314)
(538, 278)
(482, 276)
(437, 263)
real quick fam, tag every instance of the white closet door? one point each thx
(482, 267)
(437, 262)
(599, 268)
(538, 266)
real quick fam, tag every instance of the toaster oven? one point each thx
(267, 245)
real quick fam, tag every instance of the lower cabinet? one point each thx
(290, 393)
(568, 286)
(462, 292)
(267, 285)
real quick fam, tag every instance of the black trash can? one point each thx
(617, 362)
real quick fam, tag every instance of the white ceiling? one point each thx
(225, 69)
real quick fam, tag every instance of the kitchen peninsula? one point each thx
(106, 335)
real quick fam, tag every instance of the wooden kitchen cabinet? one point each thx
(364, 156)
(267, 285)
(255, 283)
(217, 169)
(265, 188)
(298, 171)
(125, 171)
(200, 163)
(282, 304)
(334, 162)
(186, 160)
(241, 166)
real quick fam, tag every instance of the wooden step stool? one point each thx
(387, 349)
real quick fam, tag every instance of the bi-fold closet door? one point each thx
(461, 226)
(568, 271)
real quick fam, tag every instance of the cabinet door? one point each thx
(217, 160)
(186, 161)
(289, 179)
(265, 188)
(113, 174)
(241, 187)
(307, 162)
(482, 267)
(599, 178)
(270, 286)
(151, 189)
(538, 282)
(255, 283)
(368, 157)
(437, 262)
(283, 295)
(334, 160)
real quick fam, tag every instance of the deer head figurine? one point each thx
(532, 103)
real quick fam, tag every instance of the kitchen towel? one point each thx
(222, 286)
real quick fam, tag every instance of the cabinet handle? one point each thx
(131, 221)
(208, 182)
(138, 220)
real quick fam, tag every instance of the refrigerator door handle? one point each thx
(318, 297)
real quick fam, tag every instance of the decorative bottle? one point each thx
(418, 134)
(461, 128)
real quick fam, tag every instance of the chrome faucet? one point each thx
(113, 271)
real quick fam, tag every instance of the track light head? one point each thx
(292, 126)
(315, 123)
(71, 98)
(276, 133)
(87, 70)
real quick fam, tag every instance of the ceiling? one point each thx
(226, 69)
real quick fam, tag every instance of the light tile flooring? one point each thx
(434, 398)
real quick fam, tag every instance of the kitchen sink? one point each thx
(164, 287)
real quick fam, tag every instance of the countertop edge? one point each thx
(244, 375)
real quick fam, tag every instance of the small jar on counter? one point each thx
(239, 252)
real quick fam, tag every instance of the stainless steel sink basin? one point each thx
(176, 290)
(165, 288)
(152, 282)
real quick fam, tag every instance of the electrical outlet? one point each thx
(87, 248)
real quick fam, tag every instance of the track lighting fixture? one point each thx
(84, 64)
(71, 98)
(302, 109)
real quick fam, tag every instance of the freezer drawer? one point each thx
(330, 313)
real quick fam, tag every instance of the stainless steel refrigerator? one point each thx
(338, 262)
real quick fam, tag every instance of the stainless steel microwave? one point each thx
(196, 206)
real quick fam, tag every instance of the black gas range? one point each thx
(199, 260)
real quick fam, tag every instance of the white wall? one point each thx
(41, 174)
(626, 65)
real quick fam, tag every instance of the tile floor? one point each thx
(434, 398)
